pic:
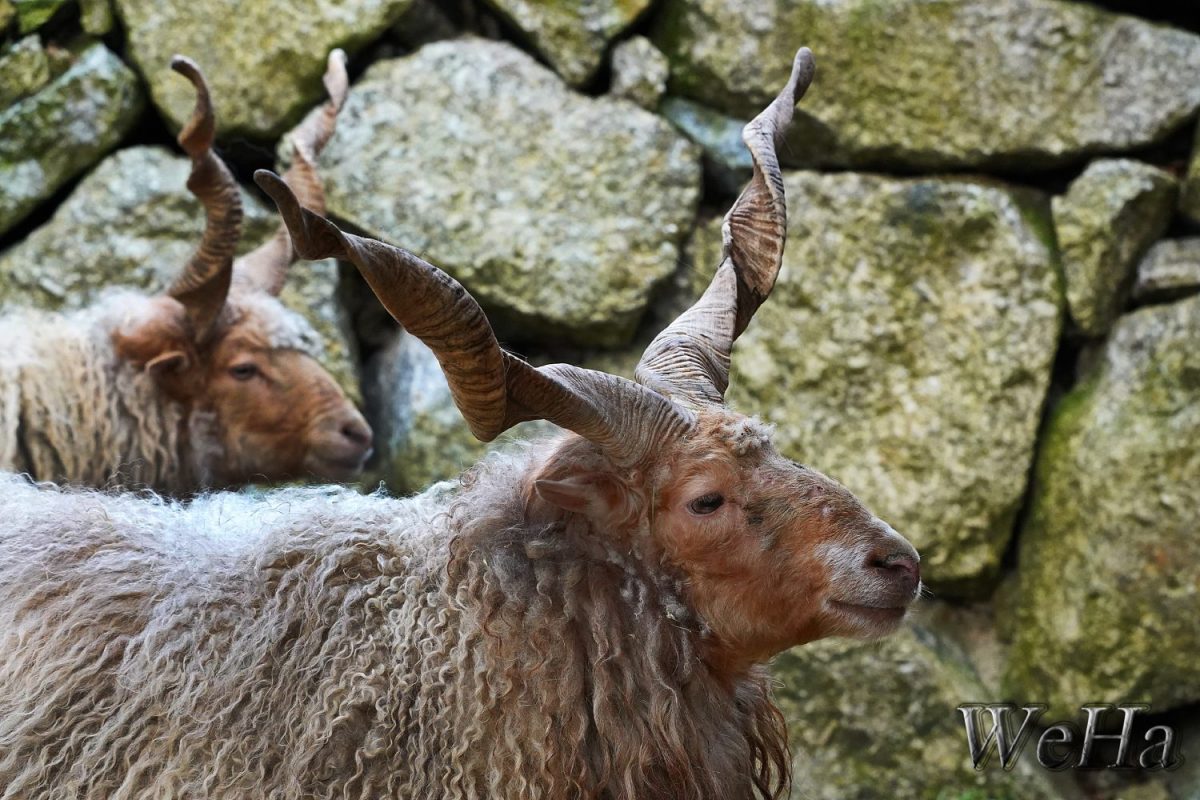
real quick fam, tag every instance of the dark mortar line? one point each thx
(1172, 12)
(1063, 378)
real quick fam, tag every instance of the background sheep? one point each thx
(214, 383)
(587, 617)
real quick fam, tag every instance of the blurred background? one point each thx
(987, 325)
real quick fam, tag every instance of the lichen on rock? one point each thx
(51, 136)
(572, 35)
(1170, 270)
(1105, 223)
(1109, 572)
(263, 58)
(560, 213)
(937, 85)
(640, 72)
(906, 351)
(868, 715)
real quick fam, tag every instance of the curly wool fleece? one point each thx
(315, 643)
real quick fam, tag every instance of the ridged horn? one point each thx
(204, 282)
(689, 360)
(493, 389)
(265, 268)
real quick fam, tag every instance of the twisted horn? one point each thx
(204, 283)
(689, 360)
(266, 267)
(493, 389)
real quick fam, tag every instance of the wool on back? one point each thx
(319, 643)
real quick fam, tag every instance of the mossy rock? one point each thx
(1105, 223)
(936, 85)
(879, 719)
(24, 69)
(570, 34)
(51, 136)
(1170, 270)
(263, 59)
(1109, 573)
(560, 213)
(132, 222)
(906, 351)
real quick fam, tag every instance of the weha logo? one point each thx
(1062, 745)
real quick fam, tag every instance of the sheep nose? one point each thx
(357, 432)
(899, 566)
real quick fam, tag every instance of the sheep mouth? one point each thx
(878, 615)
(341, 467)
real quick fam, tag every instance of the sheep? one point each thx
(212, 384)
(587, 616)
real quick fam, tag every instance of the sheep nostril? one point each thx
(357, 432)
(899, 563)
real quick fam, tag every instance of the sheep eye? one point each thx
(243, 372)
(706, 504)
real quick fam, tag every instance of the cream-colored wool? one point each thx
(72, 411)
(315, 643)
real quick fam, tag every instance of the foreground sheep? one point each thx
(586, 618)
(214, 383)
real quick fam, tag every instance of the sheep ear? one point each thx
(169, 361)
(592, 494)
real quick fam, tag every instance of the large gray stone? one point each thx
(1170, 270)
(263, 58)
(727, 162)
(640, 72)
(878, 719)
(933, 85)
(1106, 222)
(1109, 574)
(906, 351)
(420, 436)
(561, 213)
(132, 222)
(572, 34)
(50, 137)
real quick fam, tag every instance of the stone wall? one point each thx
(987, 325)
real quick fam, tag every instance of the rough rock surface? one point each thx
(33, 14)
(265, 70)
(50, 137)
(1110, 558)
(906, 351)
(132, 222)
(1171, 269)
(957, 83)
(24, 69)
(572, 34)
(640, 72)
(1106, 221)
(726, 160)
(878, 719)
(559, 212)
(419, 433)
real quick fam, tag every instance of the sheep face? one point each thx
(275, 412)
(774, 554)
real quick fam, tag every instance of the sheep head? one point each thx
(220, 342)
(772, 553)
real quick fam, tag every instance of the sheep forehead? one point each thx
(277, 326)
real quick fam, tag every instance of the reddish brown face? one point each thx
(278, 414)
(777, 554)
(282, 416)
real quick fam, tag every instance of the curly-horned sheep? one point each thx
(587, 617)
(212, 384)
